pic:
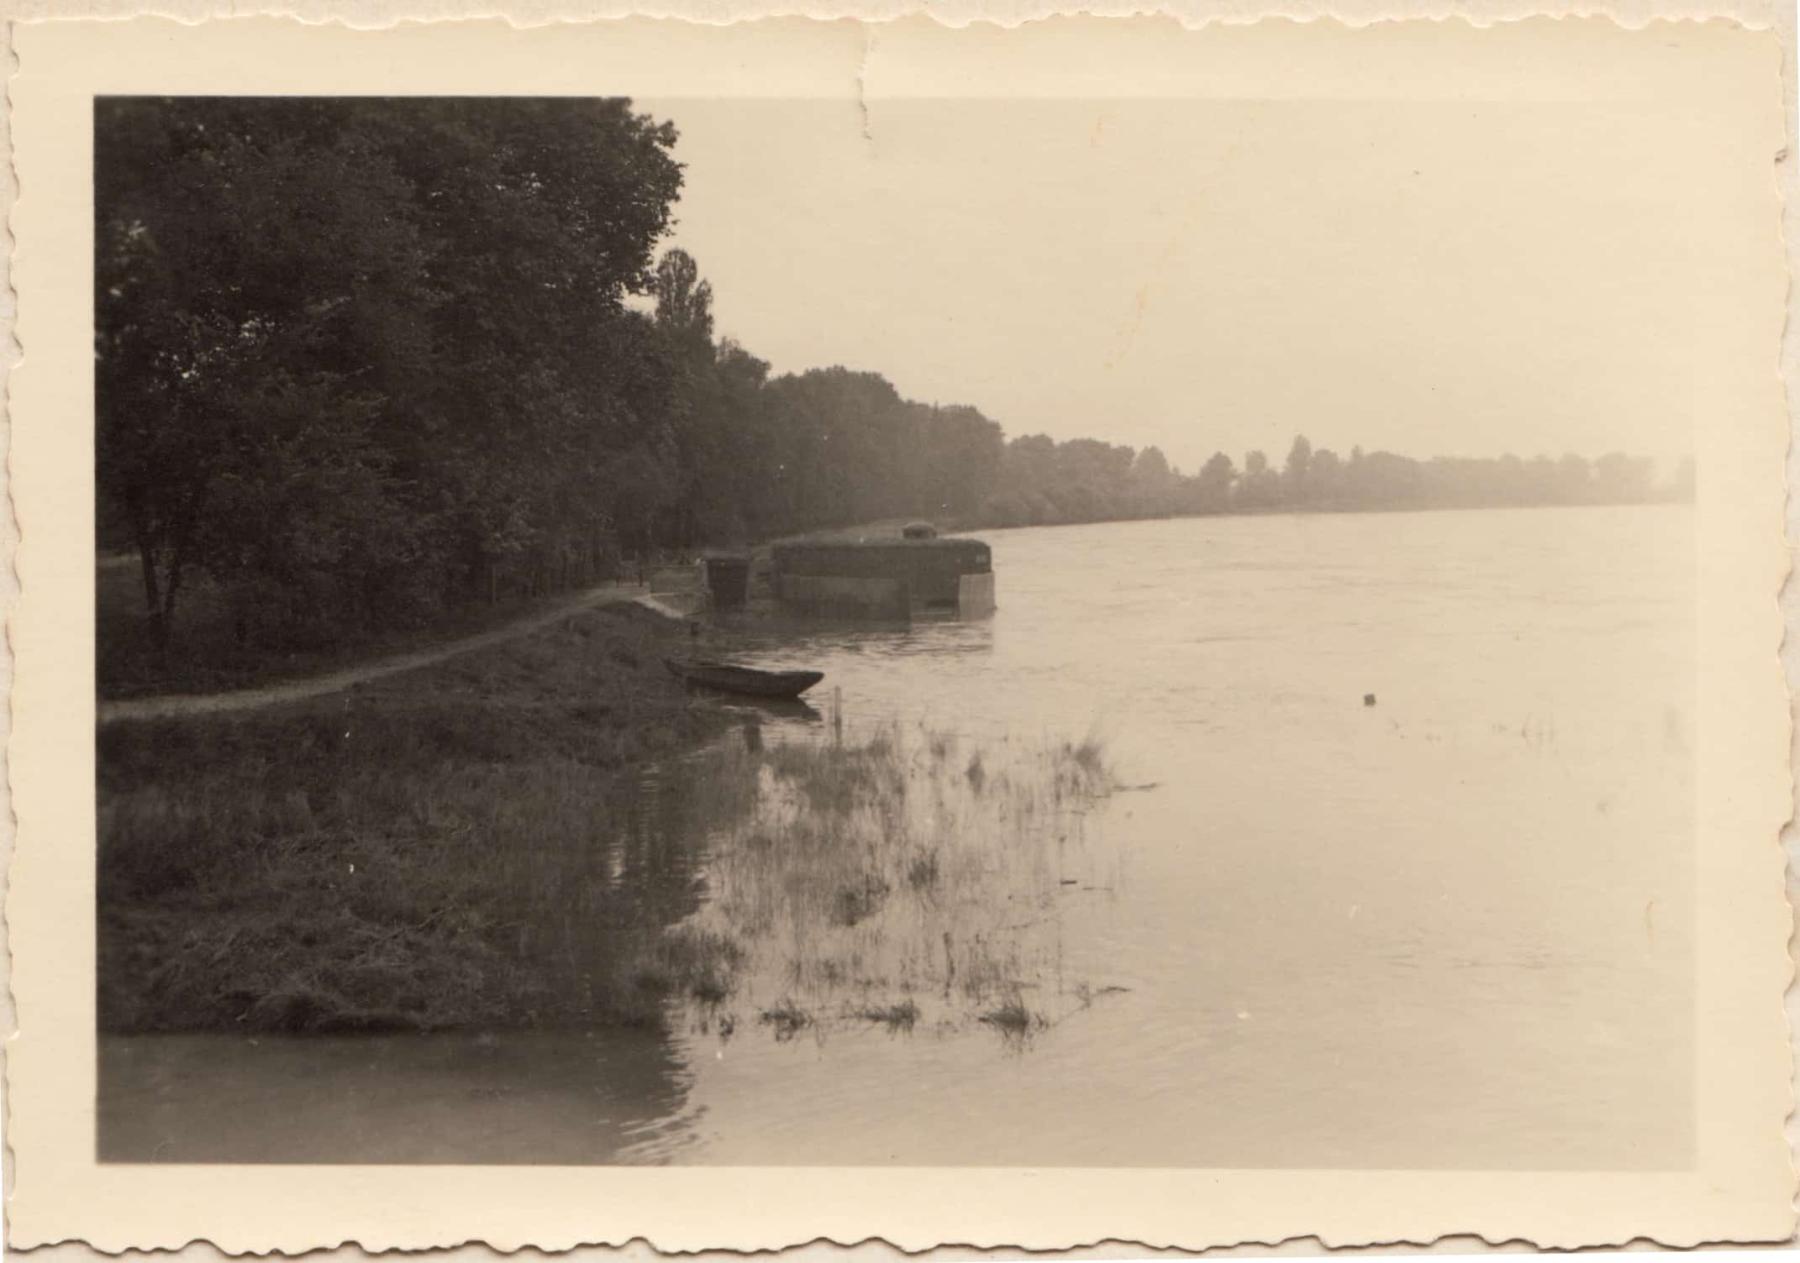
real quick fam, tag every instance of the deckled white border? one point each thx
(529, 14)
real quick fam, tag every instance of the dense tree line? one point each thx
(1045, 482)
(360, 360)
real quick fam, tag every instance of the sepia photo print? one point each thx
(976, 627)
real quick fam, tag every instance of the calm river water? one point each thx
(1453, 926)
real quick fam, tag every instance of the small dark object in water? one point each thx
(1368, 699)
(918, 530)
(746, 680)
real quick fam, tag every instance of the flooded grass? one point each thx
(686, 962)
(904, 865)
(787, 1018)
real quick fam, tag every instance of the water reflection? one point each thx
(517, 1097)
(945, 635)
(795, 709)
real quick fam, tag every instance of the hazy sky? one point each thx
(1430, 278)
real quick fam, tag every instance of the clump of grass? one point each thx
(922, 871)
(1089, 754)
(787, 1017)
(1012, 1019)
(687, 961)
(896, 1017)
(976, 773)
(988, 964)
(711, 987)
(835, 780)
(1081, 768)
(859, 901)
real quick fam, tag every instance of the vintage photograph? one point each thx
(1090, 636)
(730, 637)
(669, 631)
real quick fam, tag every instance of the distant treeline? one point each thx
(361, 360)
(1042, 481)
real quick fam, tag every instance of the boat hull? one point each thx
(746, 681)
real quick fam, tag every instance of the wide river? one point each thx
(1451, 926)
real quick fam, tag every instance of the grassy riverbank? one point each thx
(541, 834)
(418, 852)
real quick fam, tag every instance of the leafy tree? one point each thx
(1299, 461)
(684, 301)
(963, 452)
(1260, 487)
(1619, 477)
(1324, 477)
(391, 332)
(1153, 483)
(1574, 478)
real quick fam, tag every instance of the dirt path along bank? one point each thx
(173, 704)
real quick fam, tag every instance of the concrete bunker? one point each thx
(885, 578)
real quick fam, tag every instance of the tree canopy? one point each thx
(356, 350)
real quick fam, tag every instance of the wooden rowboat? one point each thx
(746, 680)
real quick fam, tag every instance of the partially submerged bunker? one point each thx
(885, 578)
